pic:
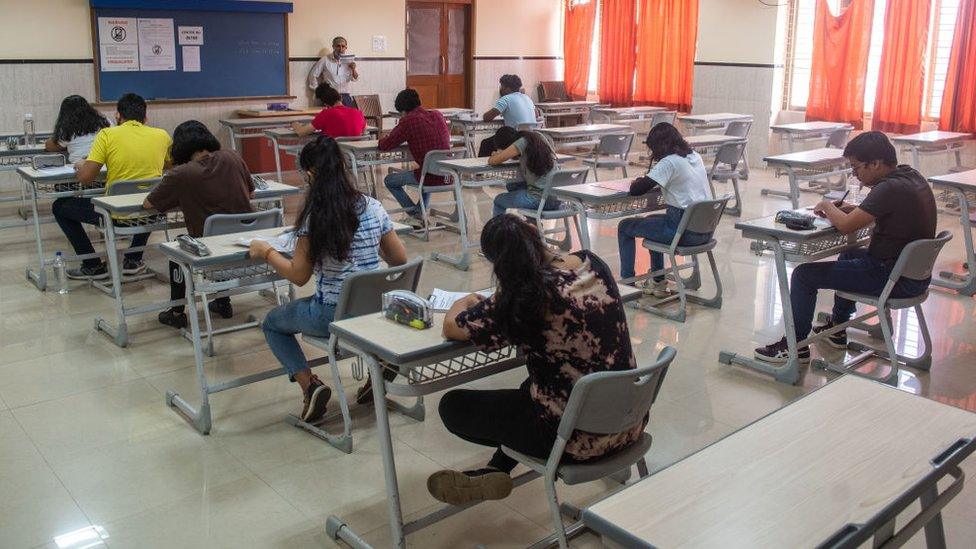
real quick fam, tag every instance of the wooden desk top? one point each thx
(586, 129)
(931, 138)
(792, 478)
(964, 180)
(714, 117)
(813, 157)
(132, 203)
(266, 122)
(264, 113)
(801, 127)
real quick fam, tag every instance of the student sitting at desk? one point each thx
(680, 173)
(536, 161)
(205, 181)
(335, 119)
(423, 131)
(565, 315)
(514, 107)
(901, 206)
(130, 151)
(75, 129)
(340, 231)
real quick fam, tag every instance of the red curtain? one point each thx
(959, 98)
(668, 31)
(901, 78)
(618, 41)
(840, 63)
(577, 39)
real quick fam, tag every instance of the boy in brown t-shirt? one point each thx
(205, 181)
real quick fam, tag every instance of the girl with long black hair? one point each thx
(536, 161)
(340, 231)
(564, 314)
(75, 128)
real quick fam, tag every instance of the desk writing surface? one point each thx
(263, 113)
(584, 129)
(564, 104)
(265, 122)
(932, 137)
(792, 478)
(813, 157)
(478, 164)
(629, 110)
(32, 174)
(588, 192)
(714, 117)
(810, 126)
(393, 342)
(768, 226)
(131, 203)
(707, 139)
(223, 248)
(963, 180)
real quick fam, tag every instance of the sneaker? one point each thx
(463, 487)
(221, 307)
(364, 394)
(778, 353)
(415, 220)
(656, 288)
(99, 272)
(173, 317)
(316, 399)
(837, 340)
(132, 267)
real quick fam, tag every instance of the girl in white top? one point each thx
(680, 173)
(75, 129)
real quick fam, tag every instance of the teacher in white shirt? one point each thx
(333, 70)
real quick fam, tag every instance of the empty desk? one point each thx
(934, 143)
(812, 165)
(964, 184)
(807, 131)
(714, 121)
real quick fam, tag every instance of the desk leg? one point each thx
(789, 372)
(277, 155)
(201, 418)
(916, 159)
(38, 278)
(120, 333)
(584, 226)
(463, 260)
(964, 284)
(793, 194)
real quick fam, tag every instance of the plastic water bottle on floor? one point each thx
(61, 273)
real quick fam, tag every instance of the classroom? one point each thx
(622, 273)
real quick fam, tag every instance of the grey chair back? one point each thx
(838, 139)
(917, 259)
(133, 186)
(729, 153)
(217, 224)
(431, 159)
(702, 217)
(611, 402)
(362, 292)
(617, 144)
(738, 128)
(561, 178)
(663, 116)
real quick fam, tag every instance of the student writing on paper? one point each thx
(537, 161)
(564, 313)
(75, 128)
(901, 206)
(680, 173)
(205, 181)
(335, 119)
(340, 231)
(129, 151)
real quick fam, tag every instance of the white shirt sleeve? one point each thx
(315, 73)
(662, 172)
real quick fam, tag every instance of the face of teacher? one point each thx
(339, 47)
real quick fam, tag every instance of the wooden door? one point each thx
(439, 52)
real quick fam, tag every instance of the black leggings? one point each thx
(502, 417)
(177, 286)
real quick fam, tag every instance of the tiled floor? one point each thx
(90, 454)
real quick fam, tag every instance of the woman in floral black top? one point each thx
(564, 314)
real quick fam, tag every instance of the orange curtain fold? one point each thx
(840, 63)
(668, 31)
(618, 41)
(901, 78)
(577, 39)
(958, 112)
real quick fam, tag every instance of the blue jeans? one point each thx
(658, 228)
(302, 316)
(520, 198)
(70, 212)
(347, 100)
(395, 182)
(854, 271)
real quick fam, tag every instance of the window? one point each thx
(942, 25)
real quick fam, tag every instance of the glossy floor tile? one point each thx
(91, 456)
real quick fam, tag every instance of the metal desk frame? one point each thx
(799, 169)
(806, 131)
(934, 143)
(472, 127)
(964, 185)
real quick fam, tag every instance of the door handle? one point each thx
(443, 65)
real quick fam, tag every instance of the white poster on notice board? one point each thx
(117, 30)
(157, 45)
(118, 58)
(191, 58)
(190, 36)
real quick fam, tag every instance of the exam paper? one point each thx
(284, 243)
(58, 170)
(442, 300)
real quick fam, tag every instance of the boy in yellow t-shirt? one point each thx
(129, 151)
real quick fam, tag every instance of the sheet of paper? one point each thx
(117, 30)
(58, 170)
(622, 186)
(284, 243)
(118, 58)
(157, 45)
(442, 300)
(191, 36)
(191, 58)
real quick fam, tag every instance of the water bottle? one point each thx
(28, 129)
(61, 273)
